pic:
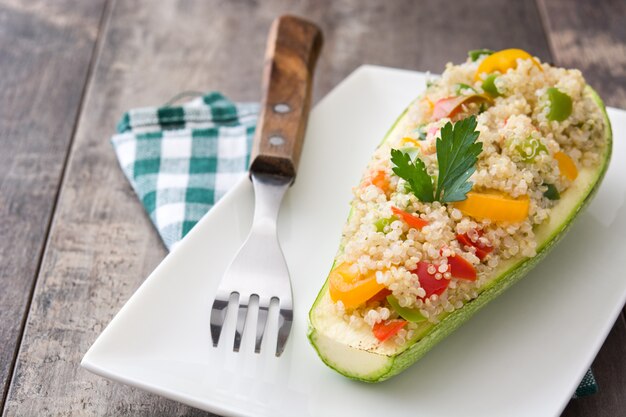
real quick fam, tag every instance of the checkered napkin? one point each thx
(181, 159)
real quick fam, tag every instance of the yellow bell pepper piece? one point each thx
(496, 207)
(410, 141)
(502, 61)
(352, 289)
(566, 166)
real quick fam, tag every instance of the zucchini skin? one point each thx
(437, 332)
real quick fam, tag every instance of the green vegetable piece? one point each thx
(560, 105)
(384, 222)
(489, 85)
(552, 193)
(530, 148)
(421, 132)
(458, 89)
(414, 173)
(457, 154)
(409, 314)
(474, 54)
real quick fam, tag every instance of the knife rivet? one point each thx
(276, 140)
(282, 108)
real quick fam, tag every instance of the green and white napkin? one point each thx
(181, 159)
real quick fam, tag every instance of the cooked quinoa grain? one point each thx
(521, 144)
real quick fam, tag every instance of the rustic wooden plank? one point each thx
(46, 50)
(420, 35)
(102, 245)
(590, 36)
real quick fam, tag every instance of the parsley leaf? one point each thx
(414, 173)
(457, 154)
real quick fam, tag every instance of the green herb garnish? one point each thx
(414, 173)
(457, 154)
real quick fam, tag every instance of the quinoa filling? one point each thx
(406, 259)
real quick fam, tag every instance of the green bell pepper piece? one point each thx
(560, 105)
(409, 314)
(382, 223)
(552, 193)
(474, 54)
(490, 87)
(530, 148)
(421, 132)
(462, 86)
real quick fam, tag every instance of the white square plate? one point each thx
(522, 355)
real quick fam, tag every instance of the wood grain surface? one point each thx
(590, 36)
(45, 51)
(101, 245)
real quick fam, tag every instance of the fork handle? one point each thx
(292, 49)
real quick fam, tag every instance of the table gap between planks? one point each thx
(76, 242)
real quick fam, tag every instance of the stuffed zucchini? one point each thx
(472, 186)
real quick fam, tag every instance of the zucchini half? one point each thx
(358, 355)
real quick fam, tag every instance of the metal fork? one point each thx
(259, 269)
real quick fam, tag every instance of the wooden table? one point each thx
(75, 241)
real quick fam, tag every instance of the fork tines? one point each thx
(220, 309)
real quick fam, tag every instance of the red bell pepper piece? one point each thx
(461, 268)
(385, 330)
(381, 295)
(413, 221)
(428, 282)
(482, 249)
